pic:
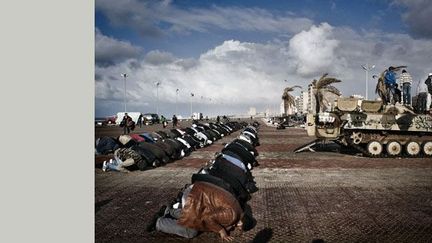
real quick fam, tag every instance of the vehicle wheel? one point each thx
(427, 148)
(356, 137)
(412, 148)
(394, 148)
(374, 148)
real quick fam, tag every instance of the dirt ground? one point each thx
(324, 196)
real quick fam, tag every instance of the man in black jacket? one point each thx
(126, 123)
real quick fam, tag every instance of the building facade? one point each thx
(303, 102)
(310, 100)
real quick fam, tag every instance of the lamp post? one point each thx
(201, 109)
(192, 95)
(177, 92)
(124, 75)
(157, 98)
(367, 68)
(209, 106)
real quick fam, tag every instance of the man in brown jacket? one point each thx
(204, 207)
(211, 208)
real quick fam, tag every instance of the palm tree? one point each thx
(381, 89)
(288, 99)
(322, 90)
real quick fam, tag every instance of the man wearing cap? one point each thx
(405, 80)
(428, 82)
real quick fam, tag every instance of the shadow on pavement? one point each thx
(318, 241)
(334, 148)
(249, 221)
(263, 236)
(100, 204)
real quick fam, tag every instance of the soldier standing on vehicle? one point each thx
(405, 80)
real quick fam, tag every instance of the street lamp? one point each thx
(177, 92)
(367, 68)
(202, 104)
(157, 97)
(192, 95)
(124, 75)
(210, 106)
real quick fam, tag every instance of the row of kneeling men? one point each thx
(216, 199)
(152, 149)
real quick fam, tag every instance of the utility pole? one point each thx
(124, 75)
(192, 95)
(157, 98)
(177, 92)
(367, 68)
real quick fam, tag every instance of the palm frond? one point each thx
(287, 97)
(324, 75)
(326, 81)
(332, 90)
(289, 102)
(314, 82)
(381, 88)
(397, 68)
(289, 89)
(322, 89)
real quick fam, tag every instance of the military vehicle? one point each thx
(374, 129)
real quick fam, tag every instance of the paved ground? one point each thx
(323, 196)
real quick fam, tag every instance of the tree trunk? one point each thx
(285, 107)
(317, 103)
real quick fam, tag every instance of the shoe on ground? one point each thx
(251, 188)
(104, 166)
(161, 211)
(152, 224)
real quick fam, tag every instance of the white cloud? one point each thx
(104, 91)
(418, 16)
(313, 50)
(146, 18)
(159, 57)
(109, 50)
(244, 74)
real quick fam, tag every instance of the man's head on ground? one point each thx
(404, 71)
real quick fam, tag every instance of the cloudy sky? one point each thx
(236, 54)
